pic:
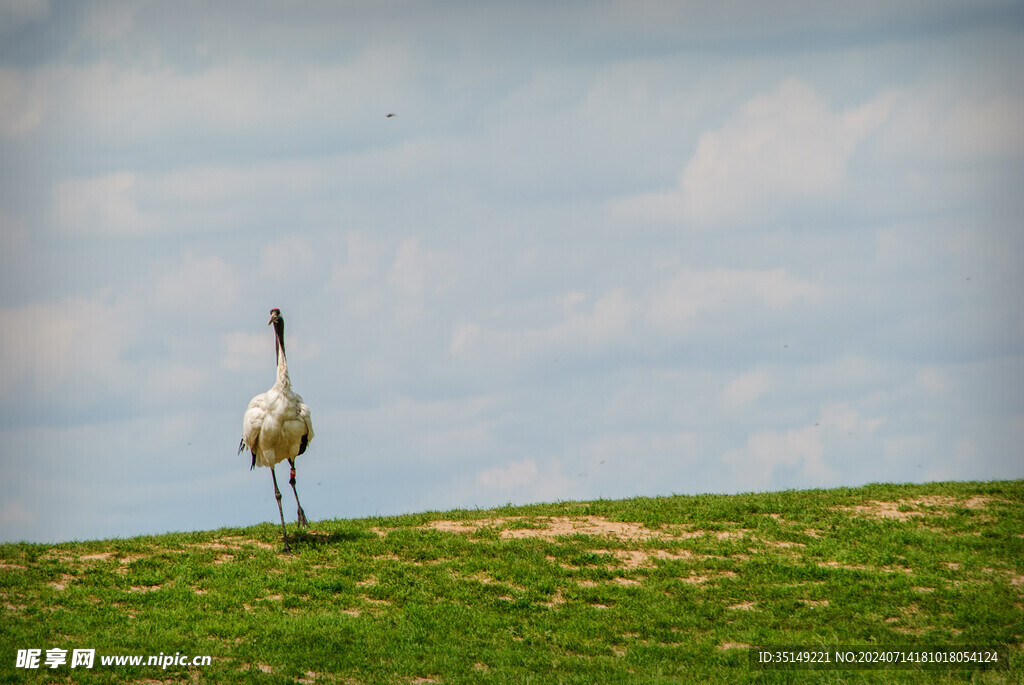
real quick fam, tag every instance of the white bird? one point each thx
(277, 426)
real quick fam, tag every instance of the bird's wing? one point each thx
(252, 421)
(302, 413)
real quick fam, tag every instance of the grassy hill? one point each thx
(641, 590)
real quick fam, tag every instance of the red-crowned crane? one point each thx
(276, 425)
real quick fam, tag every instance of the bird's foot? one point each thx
(303, 523)
(287, 549)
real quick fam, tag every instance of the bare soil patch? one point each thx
(233, 543)
(733, 645)
(904, 509)
(552, 527)
(861, 567)
(102, 556)
(743, 606)
(61, 583)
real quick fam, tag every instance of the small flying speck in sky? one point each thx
(391, 114)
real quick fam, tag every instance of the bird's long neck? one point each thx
(282, 361)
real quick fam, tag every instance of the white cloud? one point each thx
(934, 380)
(669, 305)
(193, 199)
(67, 350)
(514, 476)
(842, 417)
(199, 286)
(359, 276)
(106, 23)
(246, 351)
(103, 204)
(746, 388)
(464, 337)
(965, 451)
(362, 261)
(802, 449)
(583, 330)
(462, 439)
(678, 447)
(176, 380)
(21, 105)
(288, 258)
(680, 298)
(14, 236)
(608, 319)
(956, 121)
(526, 480)
(417, 271)
(800, 445)
(909, 448)
(777, 149)
(104, 102)
(14, 512)
(16, 13)
(571, 299)
(416, 274)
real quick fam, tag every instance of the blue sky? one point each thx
(604, 249)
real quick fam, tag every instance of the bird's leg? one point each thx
(291, 481)
(277, 495)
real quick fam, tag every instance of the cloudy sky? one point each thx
(603, 249)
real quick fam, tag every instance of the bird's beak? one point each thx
(273, 317)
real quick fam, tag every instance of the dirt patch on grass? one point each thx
(733, 645)
(743, 606)
(101, 556)
(551, 527)
(233, 543)
(861, 567)
(387, 557)
(378, 602)
(625, 581)
(814, 602)
(62, 582)
(485, 579)
(638, 558)
(903, 509)
(556, 599)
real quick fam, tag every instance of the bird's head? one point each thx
(275, 315)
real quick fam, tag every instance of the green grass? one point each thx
(642, 590)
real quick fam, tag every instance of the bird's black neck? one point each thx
(282, 361)
(278, 337)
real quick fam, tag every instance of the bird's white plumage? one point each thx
(274, 425)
